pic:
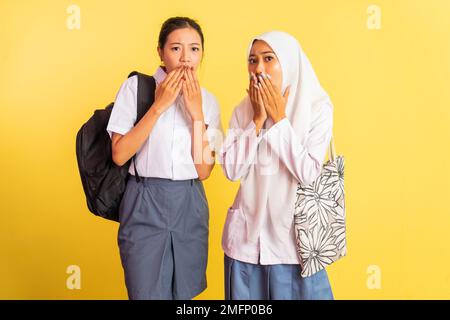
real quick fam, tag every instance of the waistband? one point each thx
(162, 181)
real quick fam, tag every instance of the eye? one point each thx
(251, 60)
(268, 58)
(195, 49)
(175, 48)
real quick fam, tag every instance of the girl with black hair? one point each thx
(164, 220)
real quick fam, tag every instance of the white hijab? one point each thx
(297, 72)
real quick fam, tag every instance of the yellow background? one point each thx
(390, 88)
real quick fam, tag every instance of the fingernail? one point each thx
(268, 76)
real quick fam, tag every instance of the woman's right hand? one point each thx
(168, 90)
(259, 111)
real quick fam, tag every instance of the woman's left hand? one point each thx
(192, 95)
(274, 101)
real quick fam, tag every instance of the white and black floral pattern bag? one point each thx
(319, 217)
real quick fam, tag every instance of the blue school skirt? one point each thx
(163, 238)
(247, 281)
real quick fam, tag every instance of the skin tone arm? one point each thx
(201, 152)
(125, 146)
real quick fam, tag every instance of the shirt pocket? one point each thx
(234, 228)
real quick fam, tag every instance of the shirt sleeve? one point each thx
(214, 130)
(124, 112)
(239, 149)
(304, 162)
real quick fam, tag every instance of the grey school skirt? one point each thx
(163, 238)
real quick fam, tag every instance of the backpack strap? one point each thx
(145, 98)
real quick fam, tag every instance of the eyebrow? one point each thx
(191, 44)
(252, 55)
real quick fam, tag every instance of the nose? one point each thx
(184, 58)
(259, 68)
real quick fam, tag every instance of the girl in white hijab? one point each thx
(278, 136)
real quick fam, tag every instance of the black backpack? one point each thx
(103, 181)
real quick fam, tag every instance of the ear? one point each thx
(160, 53)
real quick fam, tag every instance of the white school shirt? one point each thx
(167, 151)
(259, 227)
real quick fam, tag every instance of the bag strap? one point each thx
(145, 98)
(331, 151)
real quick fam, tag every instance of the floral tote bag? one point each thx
(319, 217)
